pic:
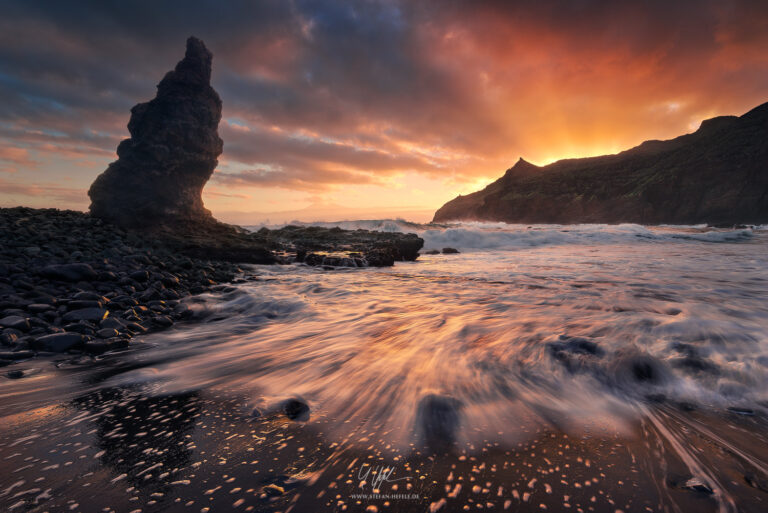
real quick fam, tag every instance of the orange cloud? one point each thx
(66, 195)
(11, 157)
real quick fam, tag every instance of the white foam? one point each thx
(468, 236)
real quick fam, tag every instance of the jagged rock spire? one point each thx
(173, 149)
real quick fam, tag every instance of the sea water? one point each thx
(581, 320)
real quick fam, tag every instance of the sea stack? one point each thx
(173, 149)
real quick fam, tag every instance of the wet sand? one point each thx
(127, 449)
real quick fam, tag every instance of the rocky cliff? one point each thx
(172, 152)
(716, 175)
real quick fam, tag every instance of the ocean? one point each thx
(543, 367)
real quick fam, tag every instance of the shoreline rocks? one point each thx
(318, 246)
(90, 286)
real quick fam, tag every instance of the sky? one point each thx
(369, 108)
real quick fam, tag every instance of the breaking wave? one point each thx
(468, 236)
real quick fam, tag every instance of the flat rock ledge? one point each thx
(311, 245)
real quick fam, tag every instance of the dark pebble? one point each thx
(15, 322)
(80, 304)
(59, 342)
(756, 481)
(89, 296)
(102, 346)
(83, 328)
(113, 323)
(16, 355)
(136, 327)
(183, 311)
(295, 409)
(697, 485)
(8, 339)
(38, 307)
(438, 420)
(162, 320)
(140, 276)
(69, 272)
(86, 314)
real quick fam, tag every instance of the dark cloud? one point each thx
(278, 149)
(313, 180)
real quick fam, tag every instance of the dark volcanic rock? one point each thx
(78, 304)
(58, 300)
(351, 247)
(693, 484)
(295, 409)
(219, 241)
(59, 342)
(171, 154)
(438, 420)
(16, 322)
(140, 276)
(716, 175)
(380, 257)
(94, 314)
(16, 355)
(576, 354)
(102, 346)
(107, 333)
(574, 345)
(69, 272)
(8, 338)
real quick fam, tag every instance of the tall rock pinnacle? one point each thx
(173, 149)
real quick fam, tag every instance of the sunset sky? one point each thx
(392, 107)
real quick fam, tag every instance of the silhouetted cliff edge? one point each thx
(716, 175)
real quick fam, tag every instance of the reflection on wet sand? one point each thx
(129, 450)
(142, 439)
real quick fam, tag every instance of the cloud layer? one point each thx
(414, 100)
